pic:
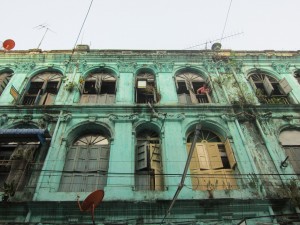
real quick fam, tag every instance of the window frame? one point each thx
(189, 95)
(80, 156)
(44, 94)
(97, 96)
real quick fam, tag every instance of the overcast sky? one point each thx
(155, 24)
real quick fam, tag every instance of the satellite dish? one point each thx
(91, 202)
(8, 44)
(216, 46)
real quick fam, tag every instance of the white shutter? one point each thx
(285, 87)
(268, 86)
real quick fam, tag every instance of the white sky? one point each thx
(155, 24)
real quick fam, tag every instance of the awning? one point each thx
(23, 135)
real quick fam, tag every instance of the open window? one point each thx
(145, 89)
(213, 162)
(290, 140)
(268, 90)
(192, 88)
(86, 164)
(148, 162)
(98, 88)
(42, 89)
(22, 151)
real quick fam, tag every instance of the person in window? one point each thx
(203, 90)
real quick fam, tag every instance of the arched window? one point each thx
(22, 151)
(42, 89)
(148, 161)
(213, 162)
(268, 90)
(145, 90)
(86, 164)
(98, 88)
(4, 79)
(290, 140)
(192, 88)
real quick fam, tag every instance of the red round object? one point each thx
(8, 44)
(94, 198)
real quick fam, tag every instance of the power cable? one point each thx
(81, 29)
(226, 20)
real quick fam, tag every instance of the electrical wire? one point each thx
(226, 21)
(81, 29)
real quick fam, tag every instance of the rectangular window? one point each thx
(149, 174)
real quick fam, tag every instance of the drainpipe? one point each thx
(187, 164)
(50, 146)
(225, 93)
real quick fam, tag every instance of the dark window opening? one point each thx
(149, 174)
(98, 88)
(108, 87)
(35, 87)
(145, 91)
(89, 87)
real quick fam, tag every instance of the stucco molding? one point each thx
(126, 67)
(281, 67)
(164, 67)
(123, 118)
(24, 66)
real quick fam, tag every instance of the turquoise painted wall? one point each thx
(228, 116)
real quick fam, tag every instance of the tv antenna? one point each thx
(43, 26)
(213, 41)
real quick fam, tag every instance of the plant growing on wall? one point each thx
(9, 191)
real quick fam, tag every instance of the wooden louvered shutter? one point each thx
(252, 84)
(230, 154)
(50, 99)
(191, 91)
(268, 86)
(208, 97)
(70, 164)
(156, 165)
(38, 97)
(284, 86)
(3, 82)
(176, 84)
(214, 156)
(93, 158)
(202, 156)
(58, 85)
(194, 164)
(142, 156)
(98, 84)
(81, 87)
(104, 157)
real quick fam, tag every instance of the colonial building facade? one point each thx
(72, 122)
